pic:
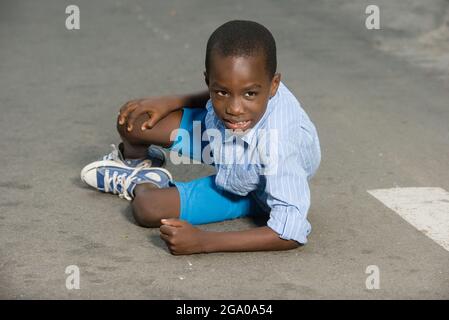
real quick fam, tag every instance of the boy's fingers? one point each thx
(165, 237)
(124, 110)
(149, 124)
(126, 105)
(145, 126)
(173, 222)
(124, 114)
(133, 117)
(167, 230)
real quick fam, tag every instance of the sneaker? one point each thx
(113, 177)
(155, 158)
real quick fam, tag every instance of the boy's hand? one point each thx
(181, 237)
(156, 108)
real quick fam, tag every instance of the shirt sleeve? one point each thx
(287, 189)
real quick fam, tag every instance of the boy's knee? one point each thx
(135, 135)
(143, 211)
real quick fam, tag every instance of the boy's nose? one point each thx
(234, 109)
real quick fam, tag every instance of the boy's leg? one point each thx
(191, 201)
(136, 141)
(151, 204)
(198, 201)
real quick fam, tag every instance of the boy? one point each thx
(245, 96)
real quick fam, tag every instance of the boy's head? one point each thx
(241, 72)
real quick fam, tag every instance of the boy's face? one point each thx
(240, 89)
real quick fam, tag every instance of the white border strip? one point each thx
(427, 209)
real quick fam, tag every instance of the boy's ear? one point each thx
(275, 84)
(206, 78)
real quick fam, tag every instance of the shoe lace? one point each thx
(119, 183)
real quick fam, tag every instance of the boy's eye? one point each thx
(221, 93)
(250, 94)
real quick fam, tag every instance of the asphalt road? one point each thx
(382, 122)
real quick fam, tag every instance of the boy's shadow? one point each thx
(153, 235)
(259, 220)
(127, 213)
(155, 239)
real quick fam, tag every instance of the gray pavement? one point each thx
(382, 122)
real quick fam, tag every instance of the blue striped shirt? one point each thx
(283, 192)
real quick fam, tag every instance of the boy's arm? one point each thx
(194, 100)
(175, 102)
(158, 108)
(257, 239)
(183, 238)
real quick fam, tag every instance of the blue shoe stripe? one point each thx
(100, 181)
(115, 185)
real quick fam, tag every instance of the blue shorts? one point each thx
(201, 200)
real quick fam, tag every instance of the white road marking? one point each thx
(427, 209)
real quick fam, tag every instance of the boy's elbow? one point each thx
(293, 244)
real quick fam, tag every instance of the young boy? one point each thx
(245, 96)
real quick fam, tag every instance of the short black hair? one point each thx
(243, 38)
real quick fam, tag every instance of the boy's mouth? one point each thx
(237, 125)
